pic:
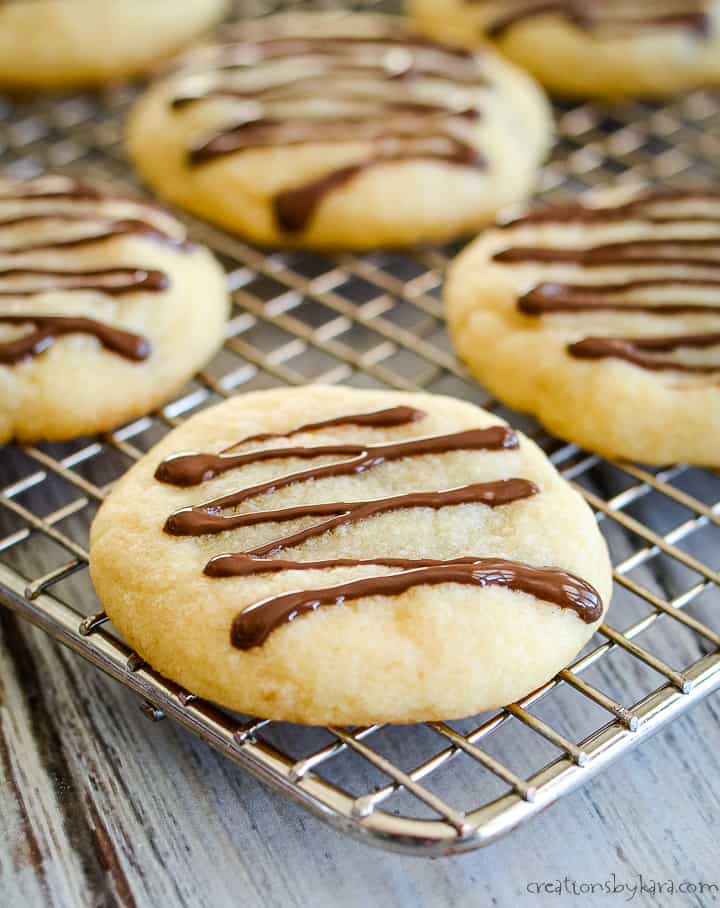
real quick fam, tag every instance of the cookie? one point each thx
(326, 555)
(60, 44)
(105, 309)
(340, 131)
(590, 48)
(604, 321)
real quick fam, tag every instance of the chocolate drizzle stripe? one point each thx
(39, 217)
(78, 211)
(25, 192)
(84, 206)
(401, 125)
(261, 49)
(192, 469)
(639, 350)
(194, 522)
(640, 252)
(252, 627)
(294, 208)
(69, 189)
(239, 564)
(549, 297)
(551, 288)
(593, 16)
(205, 518)
(113, 230)
(332, 55)
(46, 330)
(255, 134)
(111, 281)
(362, 101)
(289, 89)
(638, 209)
(362, 457)
(377, 419)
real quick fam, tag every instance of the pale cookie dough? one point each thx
(340, 131)
(105, 309)
(271, 614)
(589, 48)
(65, 43)
(603, 321)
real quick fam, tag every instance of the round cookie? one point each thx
(602, 320)
(589, 48)
(105, 309)
(381, 557)
(64, 43)
(345, 131)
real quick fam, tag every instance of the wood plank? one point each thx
(134, 813)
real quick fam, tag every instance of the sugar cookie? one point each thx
(65, 43)
(591, 48)
(602, 320)
(340, 131)
(105, 308)
(381, 557)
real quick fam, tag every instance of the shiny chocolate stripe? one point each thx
(253, 626)
(47, 328)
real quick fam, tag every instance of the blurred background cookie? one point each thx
(61, 43)
(105, 308)
(603, 320)
(593, 48)
(326, 131)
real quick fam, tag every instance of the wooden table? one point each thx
(102, 807)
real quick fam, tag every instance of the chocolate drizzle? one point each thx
(47, 328)
(644, 206)
(283, 46)
(373, 86)
(552, 297)
(359, 458)
(202, 521)
(52, 186)
(252, 627)
(53, 202)
(56, 213)
(286, 90)
(111, 281)
(98, 233)
(639, 252)
(598, 15)
(675, 220)
(636, 350)
(192, 469)
(294, 208)
(410, 130)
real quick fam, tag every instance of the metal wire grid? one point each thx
(376, 320)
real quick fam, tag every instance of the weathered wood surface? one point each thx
(101, 807)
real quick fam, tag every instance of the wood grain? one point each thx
(101, 807)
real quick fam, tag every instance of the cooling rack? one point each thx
(376, 321)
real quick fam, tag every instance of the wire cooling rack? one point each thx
(376, 321)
